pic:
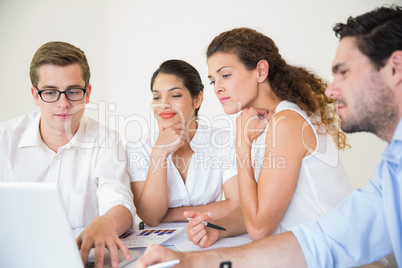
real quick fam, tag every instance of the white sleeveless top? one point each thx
(322, 181)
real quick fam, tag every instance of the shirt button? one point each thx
(56, 158)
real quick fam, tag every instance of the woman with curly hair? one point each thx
(287, 139)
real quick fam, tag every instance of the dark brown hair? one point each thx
(378, 33)
(186, 73)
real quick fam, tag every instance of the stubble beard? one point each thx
(375, 111)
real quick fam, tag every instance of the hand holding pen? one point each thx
(210, 225)
(197, 231)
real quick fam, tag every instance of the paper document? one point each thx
(143, 238)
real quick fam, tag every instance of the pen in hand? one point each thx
(207, 224)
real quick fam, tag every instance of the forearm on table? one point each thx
(233, 223)
(121, 218)
(218, 210)
(276, 251)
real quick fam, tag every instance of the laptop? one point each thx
(34, 228)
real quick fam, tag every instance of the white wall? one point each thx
(146, 34)
(26, 25)
(126, 40)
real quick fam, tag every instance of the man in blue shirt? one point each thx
(367, 225)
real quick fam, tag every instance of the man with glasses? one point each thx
(62, 146)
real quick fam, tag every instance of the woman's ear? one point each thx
(198, 100)
(262, 70)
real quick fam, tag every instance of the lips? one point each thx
(340, 106)
(64, 115)
(167, 115)
(223, 99)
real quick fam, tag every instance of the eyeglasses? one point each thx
(53, 95)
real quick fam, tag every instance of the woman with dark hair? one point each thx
(287, 139)
(188, 162)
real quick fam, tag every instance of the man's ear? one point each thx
(35, 95)
(395, 61)
(262, 70)
(88, 93)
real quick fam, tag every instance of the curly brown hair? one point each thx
(293, 83)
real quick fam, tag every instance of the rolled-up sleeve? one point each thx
(113, 180)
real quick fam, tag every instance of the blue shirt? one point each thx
(367, 225)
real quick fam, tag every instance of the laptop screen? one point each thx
(34, 229)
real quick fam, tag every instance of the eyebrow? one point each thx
(218, 71)
(69, 87)
(173, 88)
(335, 69)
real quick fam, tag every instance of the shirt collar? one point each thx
(398, 132)
(393, 152)
(31, 137)
(200, 139)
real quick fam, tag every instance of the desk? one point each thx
(182, 238)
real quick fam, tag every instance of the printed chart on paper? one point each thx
(146, 237)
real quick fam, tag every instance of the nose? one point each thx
(218, 88)
(333, 90)
(165, 103)
(63, 101)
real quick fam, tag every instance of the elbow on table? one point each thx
(151, 219)
(152, 222)
(259, 233)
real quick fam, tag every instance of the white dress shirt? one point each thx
(90, 170)
(322, 182)
(211, 165)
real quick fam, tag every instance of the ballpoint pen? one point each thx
(208, 224)
(165, 264)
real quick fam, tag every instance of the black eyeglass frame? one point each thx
(61, 92)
